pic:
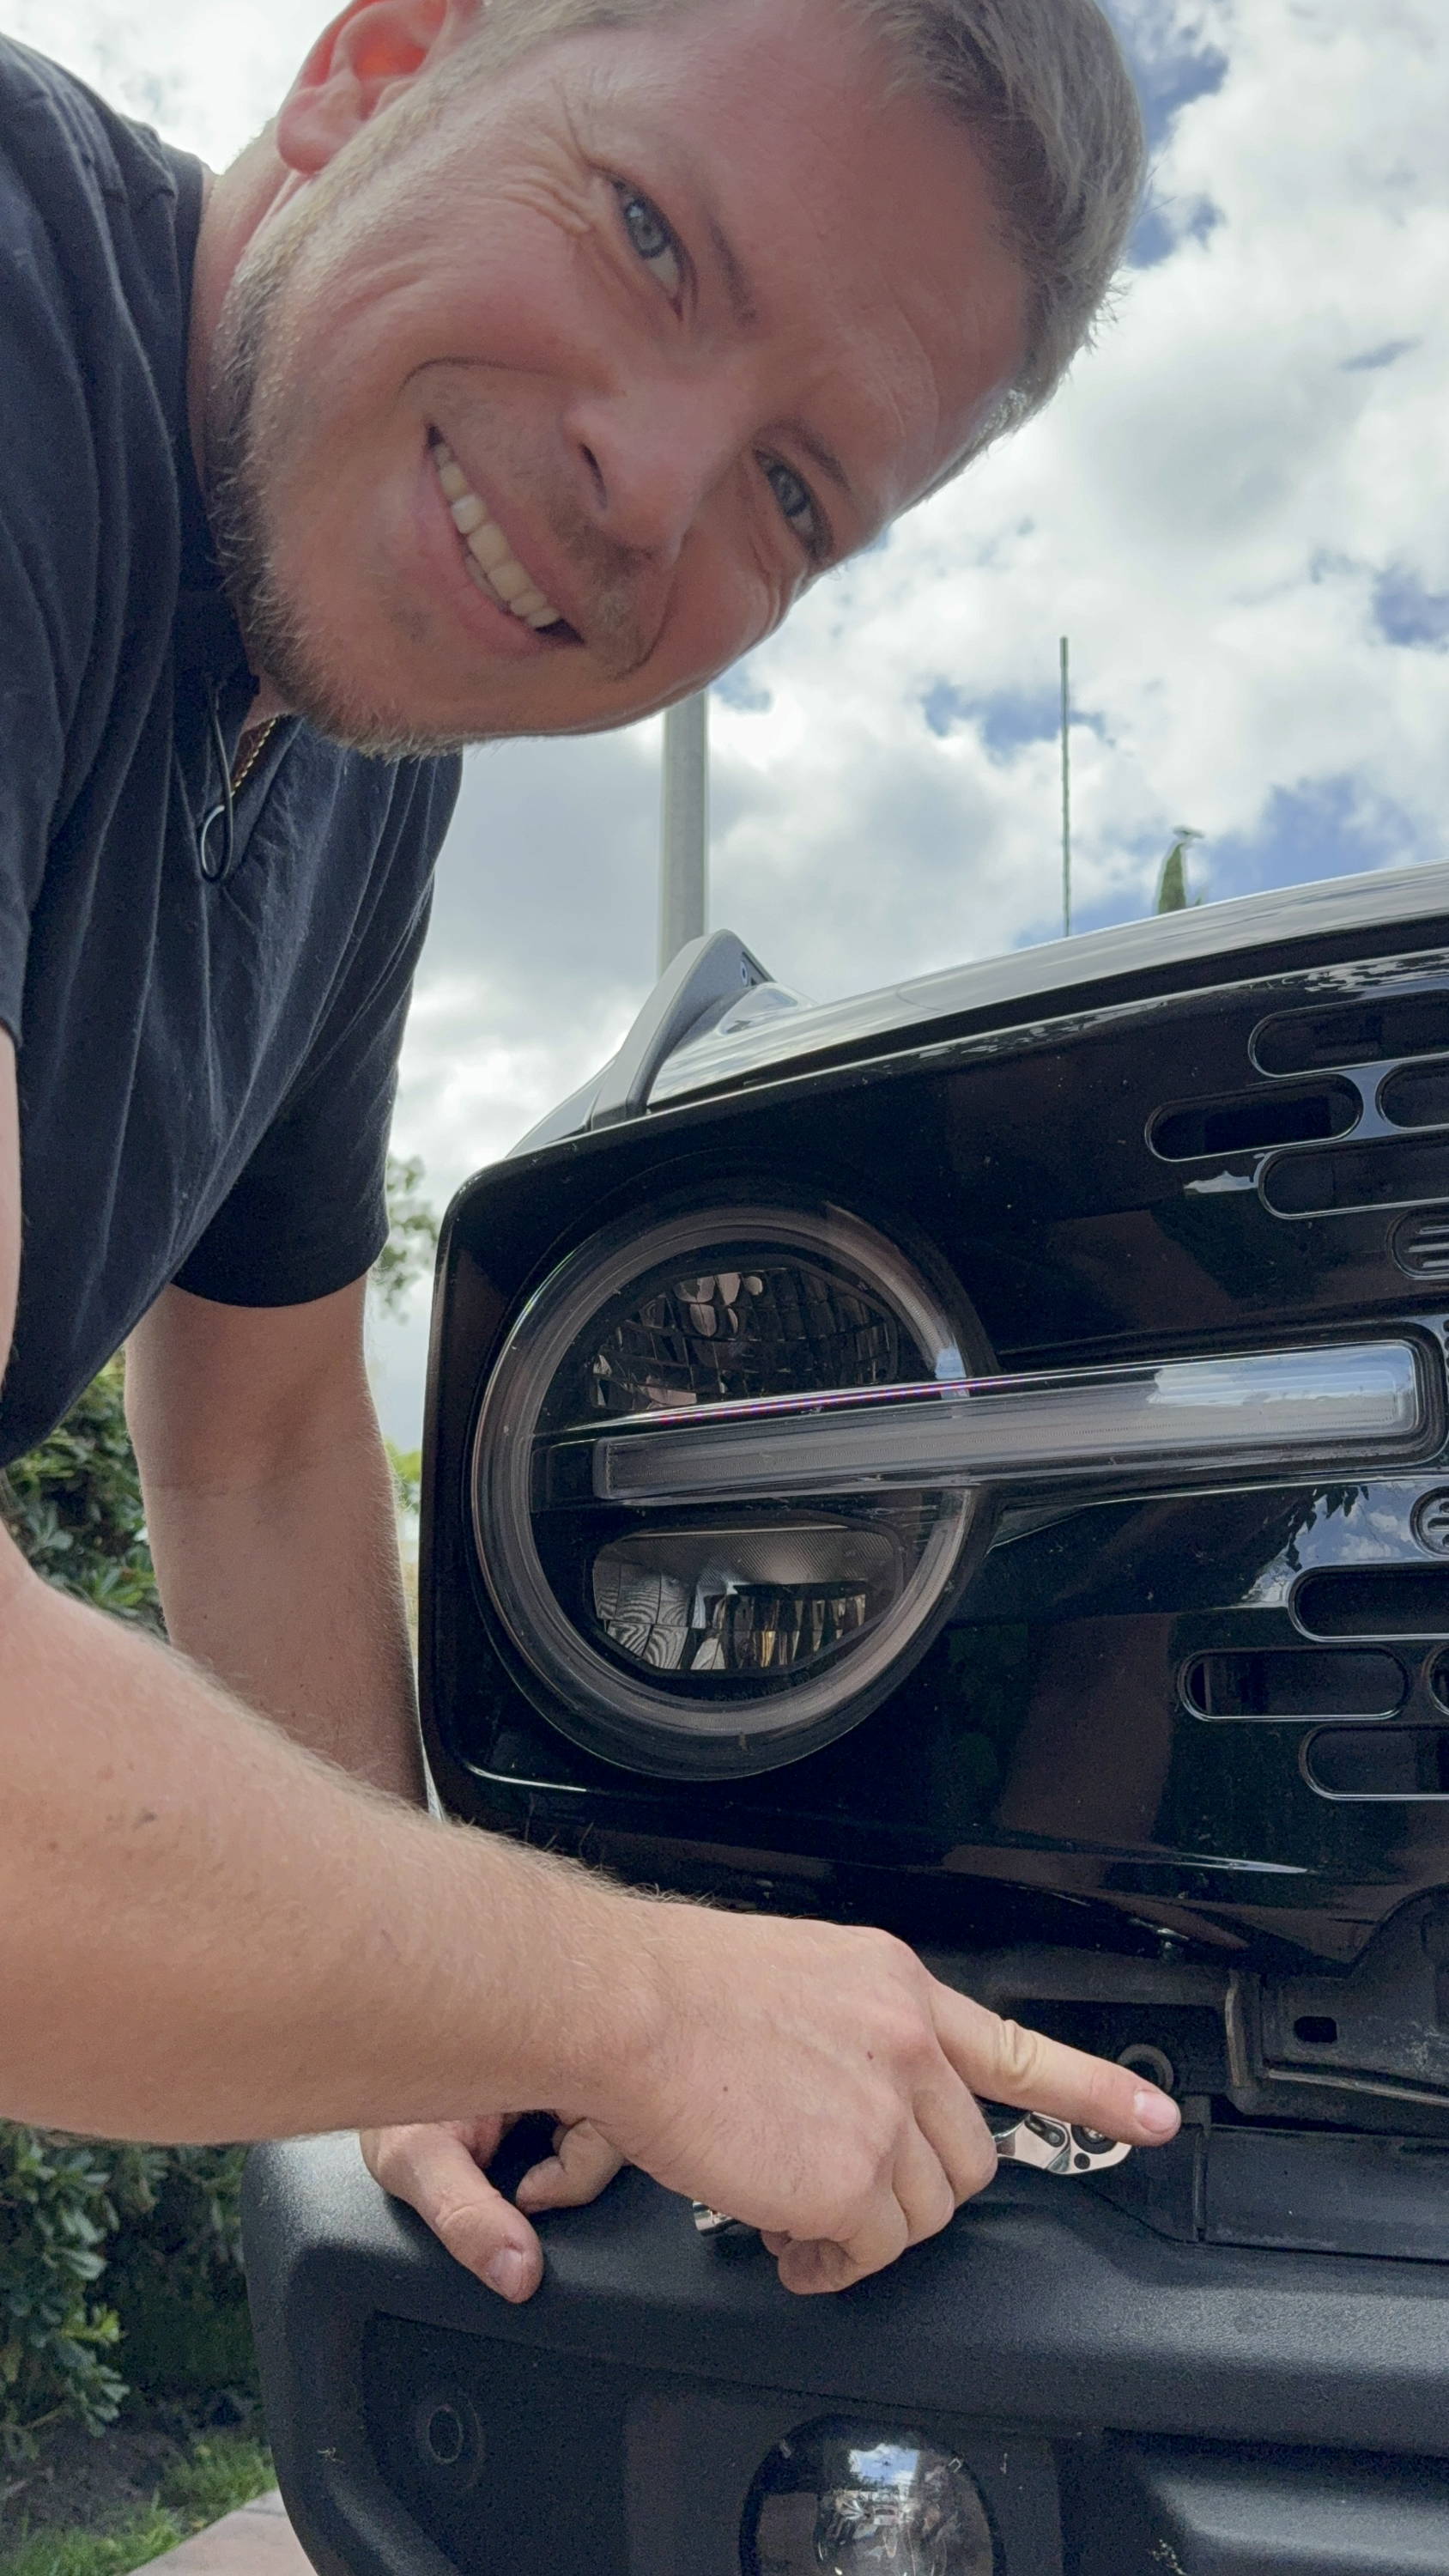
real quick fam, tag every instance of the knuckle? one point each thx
(388, 2158)
(943, 2208)
(980, 2167)
(1018, 2052)
(882, 1957)
(459, 2223)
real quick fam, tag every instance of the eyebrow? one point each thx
(747, 313)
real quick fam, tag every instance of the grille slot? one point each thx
(1294, 1684)
(1420, 1245)
(1358, 1176)
(1353, 1033)
(1379, 1762)
(1253, 1120)
(1417, 1096)
(1375, 1601)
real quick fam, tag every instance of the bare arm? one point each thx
(206, 1932)
(269, 1508)
(270, 1512)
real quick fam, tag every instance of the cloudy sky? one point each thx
(1238, 511)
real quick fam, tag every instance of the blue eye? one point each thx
(651, 237)
(796, 503)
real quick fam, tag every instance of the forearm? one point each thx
(288, 1587)
(206, 1933)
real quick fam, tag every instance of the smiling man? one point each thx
(613, 344)
(521, 375)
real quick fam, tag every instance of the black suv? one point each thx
(970, 1459)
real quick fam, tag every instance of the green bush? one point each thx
(112, 2257)
(115, 2255)
(56, 2336)
(73, 1507)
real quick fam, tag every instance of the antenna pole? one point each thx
(684, 827)
(1066, 792)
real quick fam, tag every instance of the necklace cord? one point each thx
(227, 808)
(232, 782)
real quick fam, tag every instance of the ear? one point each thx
(367, 55)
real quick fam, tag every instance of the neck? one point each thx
(265, 707)
(233, 207)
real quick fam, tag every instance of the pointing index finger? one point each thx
(1002, 2061)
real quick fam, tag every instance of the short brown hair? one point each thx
(1043, 89)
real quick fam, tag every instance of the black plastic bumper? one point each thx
(1124, 2401)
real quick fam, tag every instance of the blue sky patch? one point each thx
(1406, 613)
(1369, 360)
(1170, 74)
(739, 688)
(1005, 722)
(1170, 69)
(1329, 829)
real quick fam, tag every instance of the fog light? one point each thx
(850, 2501)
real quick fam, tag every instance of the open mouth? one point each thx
(488, 559)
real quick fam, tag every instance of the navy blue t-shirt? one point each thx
(206, 1068)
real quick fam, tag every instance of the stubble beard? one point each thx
(257, 364)
(246, 439)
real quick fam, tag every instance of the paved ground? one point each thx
(257, 2541)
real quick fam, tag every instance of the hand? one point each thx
(820, 2085)
(439, 2170)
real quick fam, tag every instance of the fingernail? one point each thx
(1156, 2111)
(508, 2273)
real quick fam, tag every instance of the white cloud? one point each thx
(206, 73)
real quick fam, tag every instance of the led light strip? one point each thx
(1352, 1403)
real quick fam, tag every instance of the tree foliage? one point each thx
(412, 1242)
(1173, 894)
(73, 1506)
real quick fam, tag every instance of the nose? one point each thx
(653, 454)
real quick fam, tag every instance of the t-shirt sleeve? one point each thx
(308, 1214)
(48, 565)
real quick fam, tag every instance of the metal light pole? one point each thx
(1066, 794)
(684, 833)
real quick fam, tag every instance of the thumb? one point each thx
(431, 2169)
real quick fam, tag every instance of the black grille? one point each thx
(1356, 1176)
(1289, 1684)
(1417, 1096)
(1253, 1120)
(1353, 1033)
(1379, 1762)
(1420, 1245)
(1375, 1601)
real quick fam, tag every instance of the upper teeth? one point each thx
(497, 573)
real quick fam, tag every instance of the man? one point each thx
(521, 375)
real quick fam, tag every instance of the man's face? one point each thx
(680, 314)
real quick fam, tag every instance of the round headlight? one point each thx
(850, 2501)
(713, 1641)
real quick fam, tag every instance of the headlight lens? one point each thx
(841, 2498)
(721, 1640)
